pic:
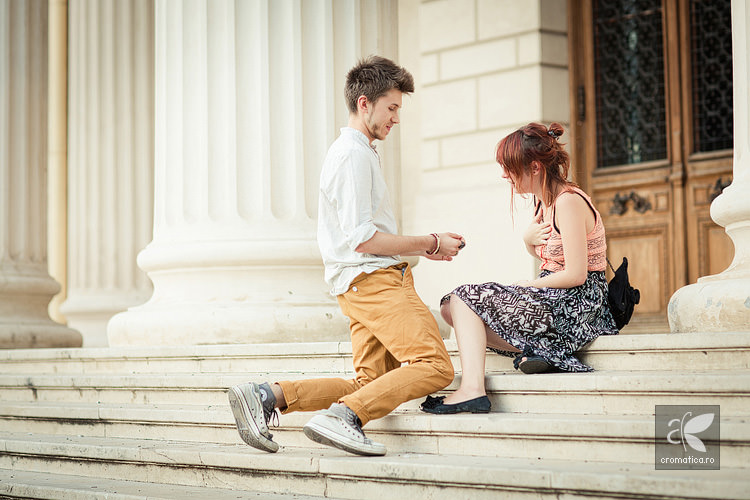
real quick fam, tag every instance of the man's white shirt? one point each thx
(352, 206)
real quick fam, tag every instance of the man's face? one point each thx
(382, 115)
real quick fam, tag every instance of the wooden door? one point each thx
(651, 128)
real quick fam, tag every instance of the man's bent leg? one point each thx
(387, 304)
(315, 394)
(340, 426)
(371, 360)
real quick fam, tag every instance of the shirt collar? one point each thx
(359, 136)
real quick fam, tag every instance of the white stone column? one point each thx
(57, 153)
(721, 302)
(110, 181)
(249, 95)
(26, 287)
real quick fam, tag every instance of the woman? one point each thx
(544, 321)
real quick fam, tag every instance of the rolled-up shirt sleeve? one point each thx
(351, 193)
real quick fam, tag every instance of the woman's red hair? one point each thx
(518, 151)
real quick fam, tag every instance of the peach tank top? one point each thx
(551, 253)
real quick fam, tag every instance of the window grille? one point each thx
(711, 55)
(629, 74)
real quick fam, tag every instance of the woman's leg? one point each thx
(496, 342)
(471, 337)
(493, 339)
(445, 312)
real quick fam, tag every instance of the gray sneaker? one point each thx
(252, 415)
(339, 426)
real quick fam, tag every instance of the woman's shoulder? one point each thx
(572, 198)
(575, 204)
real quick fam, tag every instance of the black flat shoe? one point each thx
(529, 363)
(431, 402)
(477, 405)
(534, 364)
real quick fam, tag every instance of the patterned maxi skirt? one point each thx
(553, 322)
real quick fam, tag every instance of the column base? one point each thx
(232, 292)
(229, 323)
(712, 304)
(41, 335)
(89, 312)
(25, 294)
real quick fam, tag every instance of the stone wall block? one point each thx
(446, 23)
(502, 18)
(512, 97)
(478, 59)
(457, 111)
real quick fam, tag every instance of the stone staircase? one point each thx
(154, 423)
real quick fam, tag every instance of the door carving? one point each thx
(651, 127)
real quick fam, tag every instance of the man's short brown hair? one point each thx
(373, 77)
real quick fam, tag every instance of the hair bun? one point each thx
(555, 130)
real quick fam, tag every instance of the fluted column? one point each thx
(26, 287)
(721, 302)
(57, 130)
(110, 167)
(249, 95)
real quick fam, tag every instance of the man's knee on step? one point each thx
(444, 373)
(445, 370)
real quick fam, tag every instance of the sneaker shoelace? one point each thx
(272, 417)
(268, 402)
(353, 420)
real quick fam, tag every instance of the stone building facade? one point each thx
(160, 160)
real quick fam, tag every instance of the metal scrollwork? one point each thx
(620, 203)
(640, 204)
(719, 187)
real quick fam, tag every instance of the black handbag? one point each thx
(622, 297)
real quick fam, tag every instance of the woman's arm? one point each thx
(571, 212)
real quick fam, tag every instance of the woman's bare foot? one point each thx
(462, 395)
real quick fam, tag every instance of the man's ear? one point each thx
(363, 104)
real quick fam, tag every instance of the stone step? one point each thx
(610, 392)
(42, 485)
(332, 473)
(669, 351)
(626, 438)
(302, 358)
(327, 357)
(700, 351)
(171, 388)
(600, 392)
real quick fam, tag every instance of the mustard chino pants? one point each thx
(390, 325)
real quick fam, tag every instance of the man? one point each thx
(398, 352)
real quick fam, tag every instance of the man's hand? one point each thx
(450, 244)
